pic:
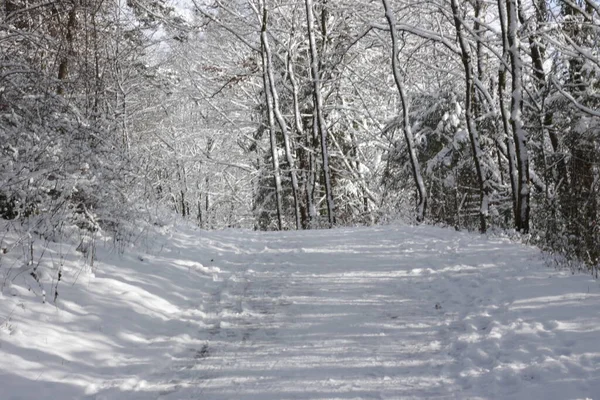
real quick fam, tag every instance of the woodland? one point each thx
(480, 115)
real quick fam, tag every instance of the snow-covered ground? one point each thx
(367, 313)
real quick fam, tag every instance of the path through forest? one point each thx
(366, 313)
(392, 313)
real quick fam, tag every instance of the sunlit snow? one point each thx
(366, 313)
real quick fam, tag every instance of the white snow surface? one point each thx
(394, 312)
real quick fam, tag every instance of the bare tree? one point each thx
(471, 127)
(318, 109)
(266, 50)
(516, 119)
(408, 135)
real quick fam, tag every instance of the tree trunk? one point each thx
(273, 140)
(305, 154)
(472, 129)
(318, 106)
(280, 120)
(63, 67)
(408, 136)
(510, 144)
(516, 120)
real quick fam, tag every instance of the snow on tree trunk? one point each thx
(318, 106)
(306, 155)
(408, 136)
(510, 144)
(472, 129)
(280, 120)
(272, 138)
(516, 120)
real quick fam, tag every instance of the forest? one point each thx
(299, 199)
(480, 115)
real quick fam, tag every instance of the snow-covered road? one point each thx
(365, 313)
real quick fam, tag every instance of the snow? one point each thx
(364, 313)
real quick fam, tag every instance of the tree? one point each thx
(319, 118)
(422, 194)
